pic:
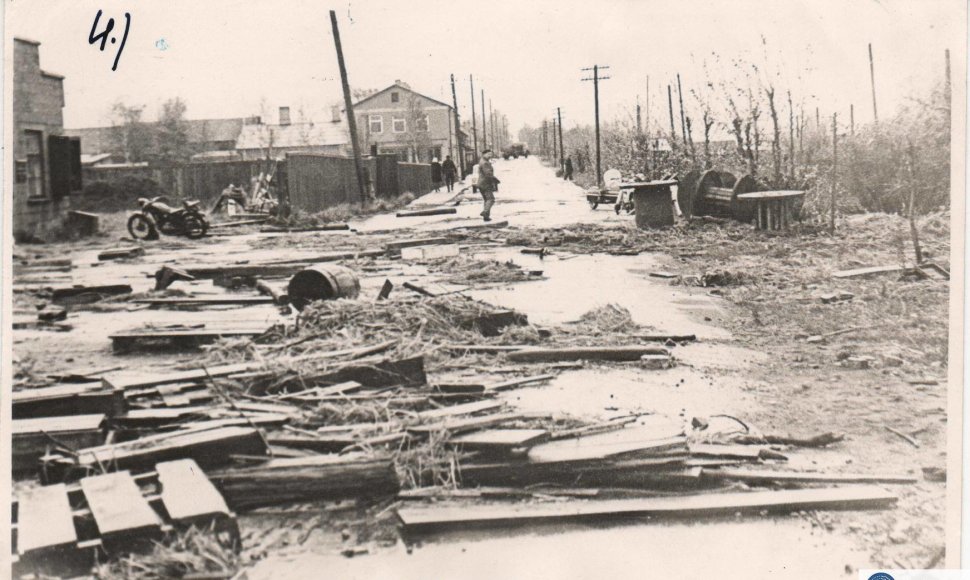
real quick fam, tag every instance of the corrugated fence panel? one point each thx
(205, 181)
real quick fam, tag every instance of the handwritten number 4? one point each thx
(103, 35)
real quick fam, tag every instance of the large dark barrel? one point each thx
(322, 282)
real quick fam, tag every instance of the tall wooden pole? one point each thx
(491, 118)
(872, 77)
(484, 123)
(461, 145)
(670, 106)
(351, 119)
(596, 103)
(683, 126)
(562, 152)
(835, 169)
(852, 119)
(791, 140)
(555, 145)
(474, 125)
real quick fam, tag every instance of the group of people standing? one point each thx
(445, 171)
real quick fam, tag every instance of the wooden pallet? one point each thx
(61, 529)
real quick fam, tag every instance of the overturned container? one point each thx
(322, 282)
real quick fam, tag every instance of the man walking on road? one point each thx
(449, 171)
(567, 173)
(487, 183)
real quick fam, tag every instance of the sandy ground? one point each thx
(769, 378)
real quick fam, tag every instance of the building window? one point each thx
(422, 123)
(399, 125)
(376, 123)
(34, 149)
(395, 97)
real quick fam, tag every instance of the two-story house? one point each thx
(413, 126)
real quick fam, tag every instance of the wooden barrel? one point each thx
(322, 282)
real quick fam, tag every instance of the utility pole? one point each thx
(555, 146)
(683, 126)
(646, 120)
(639, 124)
(562, 152)
(872, 77)
(351, 119)
(596, 103)
(852, 119)
(474, 126)
(484, 124)
(461, 152)
(491, 118)
(670, 106)
(835, 171)
(544, 143)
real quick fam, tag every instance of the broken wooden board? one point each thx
(427, 212)
(344, 388)
(868, 271)
(68, 399)
(520, 382)
(149, 339)
(442, 517)
(31, 438)
(334, 227)
(121, 253)
(432, 252)
(207, 446)
(464, 424)
(98, 292)
(769, 476)
(188, 495)
(45, 524)
(335, 256)
(660, 472)
(407, 372)
(320, 478)
(120, 511)
(432, 289)
(747, 452)
(207, 301)
(642, 441)
(618, 353)
(457, 410)
(482, 348)
(129, 381)
(395, 246)
(499, 440)
(476, 225)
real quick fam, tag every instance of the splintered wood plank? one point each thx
(58, 424)
(464, 424)
(131, 381)
(748, 452)
(466, 409)
(118, 506)
(44, 519)
(187, 493)
(642, 440)
(867, 271)
(499, 439)
(465, 516)
(766, 475)
(207, 301)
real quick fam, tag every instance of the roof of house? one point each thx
(403, 88)
(293, 135)
(99, 139)
(88, 159)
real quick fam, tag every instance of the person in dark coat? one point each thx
(567, 174)
(436, 173)
(449, 171)
(487, 183)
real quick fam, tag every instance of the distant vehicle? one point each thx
(515, 150)
(154, 217)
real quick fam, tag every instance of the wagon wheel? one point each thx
(686, 190)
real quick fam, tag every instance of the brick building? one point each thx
(46, 165)
(401, 121)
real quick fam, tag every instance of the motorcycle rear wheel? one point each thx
(195, 226)
(142, 227)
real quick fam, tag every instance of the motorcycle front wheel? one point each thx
(195, 226)
(142, 227)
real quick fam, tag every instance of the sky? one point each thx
(231, 58)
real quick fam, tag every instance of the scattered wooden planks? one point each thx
(189, 496)
(464, 424)
(209, 445)
(768, 476)
(335, 227)
(432, 252)
(439, 518)
(640, 440)
(396, 246)
(207, 301)
(321, 478)
(499, 440)
(31, 438)
(141, 381)
(618, 353)
(68, 399)
(426, 212)
(868, 271)
(45, 524)
(747, 452)
(149, 339)
(121, 253)
(96, 292)
(120, 511)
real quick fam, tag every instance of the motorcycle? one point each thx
(154, 217)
